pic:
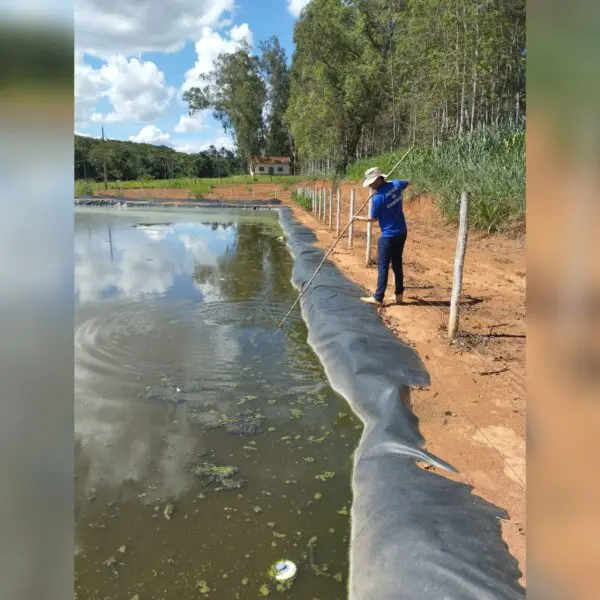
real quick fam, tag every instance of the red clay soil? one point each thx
(225, 193)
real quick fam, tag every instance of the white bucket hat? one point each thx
(372, 175)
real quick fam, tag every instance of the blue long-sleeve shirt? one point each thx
(386, 206)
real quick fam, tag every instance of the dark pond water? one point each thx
(208, 442)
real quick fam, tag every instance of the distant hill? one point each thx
(126, 161)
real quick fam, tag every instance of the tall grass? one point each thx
(490, 163)
(84, 188)
(302, 200)
(200, 190)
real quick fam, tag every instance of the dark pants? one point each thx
(390, 249)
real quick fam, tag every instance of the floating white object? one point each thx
(284, 570)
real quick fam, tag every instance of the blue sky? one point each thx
(134, 59)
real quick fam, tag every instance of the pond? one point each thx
(209, 444)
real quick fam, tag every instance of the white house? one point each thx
(270, 165)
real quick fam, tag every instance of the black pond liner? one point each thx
(415, 535)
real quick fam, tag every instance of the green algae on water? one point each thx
(208, 473)
(168, 511)
(264, 590)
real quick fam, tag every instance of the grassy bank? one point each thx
(489, 163)
(198, 187)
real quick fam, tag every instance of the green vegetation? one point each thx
(369, 78)
(490, 163)
(249, 96)
(131, 161)
(198, 187)
(302, 200)
(84, 188)
(237, 94)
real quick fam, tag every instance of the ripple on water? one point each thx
(143, 339)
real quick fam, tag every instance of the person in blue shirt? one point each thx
(386, 207)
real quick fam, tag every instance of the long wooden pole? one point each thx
(307, 285)
(459, 263)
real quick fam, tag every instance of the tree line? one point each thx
(370, 76)
(127, 161)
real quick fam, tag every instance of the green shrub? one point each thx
(200, 190)
(302, 200)
(84, 188)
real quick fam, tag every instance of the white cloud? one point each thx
(87, 135)
(136, 89)
(151, 134)
(221, 141)
(295, 6)
(89, 88)
(188, 147)
(191, 123)
(241, 33)
(130, 27)
(210, 45)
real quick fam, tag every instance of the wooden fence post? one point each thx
(338, 213)
(459, 262)
(351, 227)
(321, 205)
(318, 197)
(369, 234)
(330, 209)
